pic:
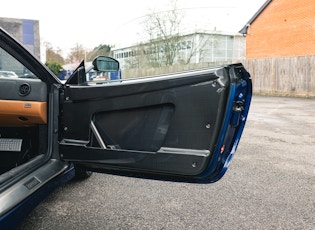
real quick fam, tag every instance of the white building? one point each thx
(195, 47)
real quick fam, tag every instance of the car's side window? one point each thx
(11, 68)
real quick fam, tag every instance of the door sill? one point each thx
(29, 184)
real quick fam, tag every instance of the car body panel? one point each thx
(145, 127)
(180, 127)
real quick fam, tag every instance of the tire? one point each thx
(81, 172)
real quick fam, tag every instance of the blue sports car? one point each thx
(179, 127)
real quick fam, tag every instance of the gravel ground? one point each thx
(270, 185)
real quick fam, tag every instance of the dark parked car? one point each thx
(179, 127)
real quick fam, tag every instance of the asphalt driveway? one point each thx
(270, 185)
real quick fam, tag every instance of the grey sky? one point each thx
(93, 22)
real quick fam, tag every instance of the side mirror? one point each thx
(105, 64)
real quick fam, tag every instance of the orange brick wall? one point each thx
(284, 28)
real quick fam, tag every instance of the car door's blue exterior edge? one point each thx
(223, 156)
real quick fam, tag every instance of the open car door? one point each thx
(184, 126)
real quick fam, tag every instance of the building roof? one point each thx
(245, 28)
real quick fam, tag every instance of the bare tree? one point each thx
(53, 55)
(76, 54)
(167, 43)
(163, 29)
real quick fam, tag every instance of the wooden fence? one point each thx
(287, 76)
